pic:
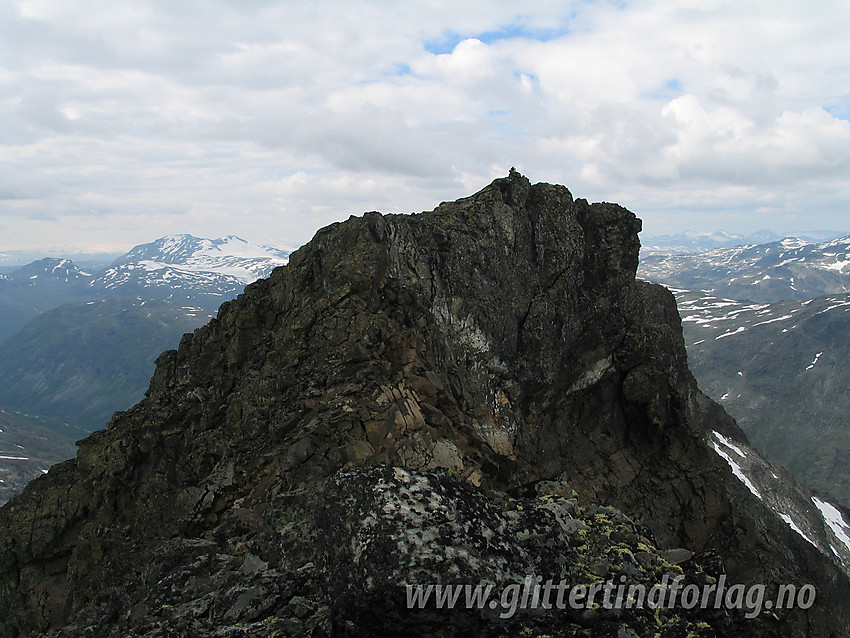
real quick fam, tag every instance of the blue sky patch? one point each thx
(841, 111)
(400, 69)
(447, 42)
(671, 88)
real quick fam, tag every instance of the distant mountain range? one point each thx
(767, 329)
(180, 268)
(11, 260)
(693, 241)
(786, 269)
(38, 287)
(76, 346)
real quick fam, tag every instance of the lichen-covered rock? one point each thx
(388, 530)
(376, 533)
(497, 342)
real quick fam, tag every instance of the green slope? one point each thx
(82, 362)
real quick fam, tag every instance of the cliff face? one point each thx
(500, 351)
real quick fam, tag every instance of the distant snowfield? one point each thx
(722, 318)
(761, 272)
(185, 261)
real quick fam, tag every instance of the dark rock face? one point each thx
(490, 347)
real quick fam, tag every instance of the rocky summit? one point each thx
(477, 395)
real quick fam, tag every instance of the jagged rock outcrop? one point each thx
(495, 345)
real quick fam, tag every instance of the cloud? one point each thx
(276, 118)
(724, 144)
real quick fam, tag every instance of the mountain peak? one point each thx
(49, 268)
(217, 269)
(383, 410)
(793, 242)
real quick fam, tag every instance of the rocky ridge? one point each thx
(428, 398)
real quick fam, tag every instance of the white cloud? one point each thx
(127, 119)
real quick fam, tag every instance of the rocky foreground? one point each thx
(477, 394)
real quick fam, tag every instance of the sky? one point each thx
(122, 121)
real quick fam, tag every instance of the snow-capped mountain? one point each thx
(188, 267)
(228, 255)
(181, 268)
(787, 269)
(49, 269)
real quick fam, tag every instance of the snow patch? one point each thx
(782, 318)
(812, 365)
(736, 469)
(835, 520)
(729, 334)
(793, 526)
(728, 443)
(838, 266)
